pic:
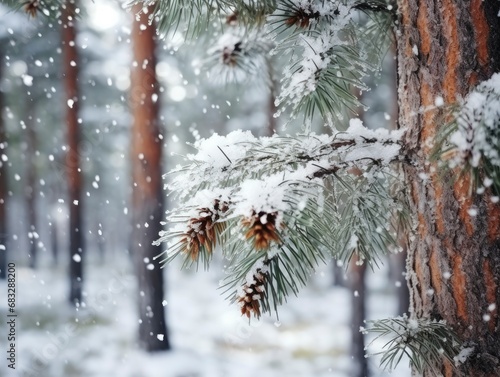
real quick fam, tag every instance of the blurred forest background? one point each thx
(95, 108)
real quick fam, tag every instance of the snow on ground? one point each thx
(209, 336)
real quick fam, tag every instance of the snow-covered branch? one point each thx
(291, 201)
(475, 137)
(426, 342)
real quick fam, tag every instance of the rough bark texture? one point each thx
(454, 261)
(74, 175)
(3, 186)
(147, 197)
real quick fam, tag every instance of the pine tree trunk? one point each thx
(54, 242)
(397, 263)
(3, 186)
(74, 175)
(30, 188)
(444, 48)
(357, 285)
(147, 197)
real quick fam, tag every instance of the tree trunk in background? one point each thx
(455, 258)
(74, 175)
(397, 275)
(54, 242)
(357, 285)
(30, 188)
(147, 196)
(339, 276)
(3, 185)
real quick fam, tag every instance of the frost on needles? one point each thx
(475, 136)
(276, 207)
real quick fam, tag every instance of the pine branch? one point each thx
(238, 56)
(47, 8)
(194, 17)
(329, 49)
(280, 222)
(470, 143)
(425, 342)
(332, 52)
(252, 157)
(264, 200)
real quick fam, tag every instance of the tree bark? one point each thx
(147, 197)
(445, 47)
(74, 174)
(3, 185)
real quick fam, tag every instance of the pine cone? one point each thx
(232, 19)
(31, 7)
(252, 294)
(301, 18)
(203, 230)
(262, 233)
(230, 54)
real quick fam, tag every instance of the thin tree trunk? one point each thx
(454, 260)
(339, 276)
(30, 188)
(3, 185)
(74, 175)
(147, 197)
(54, 242)
(397, 275)
(357, 285)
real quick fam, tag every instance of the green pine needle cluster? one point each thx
(194, 17)
(470, 143)
(425, 342)
(327, 48)
(50, 9)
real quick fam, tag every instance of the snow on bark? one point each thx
(478, 133)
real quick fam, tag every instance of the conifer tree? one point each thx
(147, 196)
(3, 186)
(266, 202)
(69, 13)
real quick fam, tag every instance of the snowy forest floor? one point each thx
(208, 335)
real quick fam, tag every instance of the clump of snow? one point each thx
(227, 42)
(219, 151)
(315, 59)
(223, 160)
(261, 196)
(478, 133)
(380, 144)
(259, 265)
(463, 355)
(330, 21)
